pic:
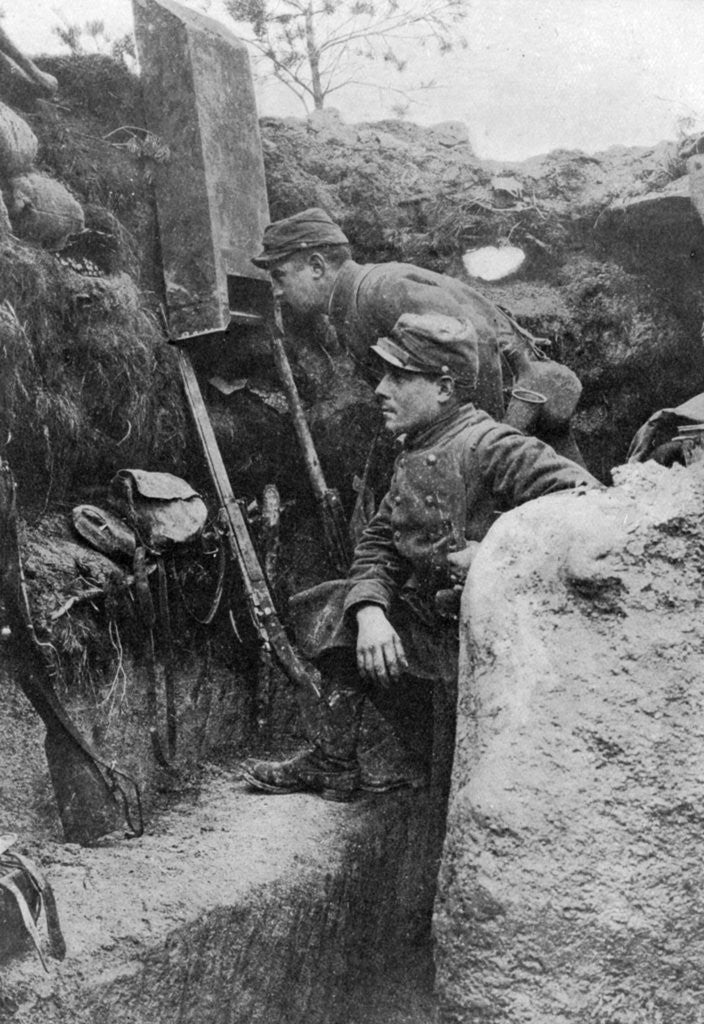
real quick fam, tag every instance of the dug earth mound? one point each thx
(569, 888)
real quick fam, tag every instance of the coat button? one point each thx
(397, 535)
(431, 460)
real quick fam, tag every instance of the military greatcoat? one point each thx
(367, 300)
(450, 483)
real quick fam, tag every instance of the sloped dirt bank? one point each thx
(237, 908)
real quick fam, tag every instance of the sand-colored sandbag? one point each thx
(42, 210)
(18, 143)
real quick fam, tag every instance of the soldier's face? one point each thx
(409, 401)
(297, 284)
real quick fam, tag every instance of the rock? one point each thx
(670, 205)
(508, 184)
(385, 140)
(570, 888)
(330, 129)
(450, 133)
(42, 210)
(18, 143)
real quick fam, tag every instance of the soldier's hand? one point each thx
(460, 561)
(380, 654)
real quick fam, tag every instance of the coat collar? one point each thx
(343, 289)
(447, 426)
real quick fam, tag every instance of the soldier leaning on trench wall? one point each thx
(383, 633)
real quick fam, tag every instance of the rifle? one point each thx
(332, 513)
(265, 620)
(87, 789)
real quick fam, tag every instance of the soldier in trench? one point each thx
(313, 274)
(389, 633)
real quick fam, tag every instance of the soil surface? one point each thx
(273, 893)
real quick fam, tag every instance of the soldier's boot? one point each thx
(394, 763)
(329, 766)
(403, 760)
(308, 771)
(387, 766)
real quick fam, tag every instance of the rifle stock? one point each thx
(259, 601)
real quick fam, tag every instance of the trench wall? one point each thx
(570, 885)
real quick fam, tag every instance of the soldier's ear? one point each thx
(446, 388)
(317, 264)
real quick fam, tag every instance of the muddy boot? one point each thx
(387, 766)
(330, 766)
(309, 771)
(404, 761)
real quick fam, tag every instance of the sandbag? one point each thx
(163, 509)
(43, 210)
(18, 143)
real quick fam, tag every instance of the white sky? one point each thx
(537, 75)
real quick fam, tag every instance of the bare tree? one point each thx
(92, 37)
(318, 47)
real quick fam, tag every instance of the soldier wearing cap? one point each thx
(383, 633)
(309, 260)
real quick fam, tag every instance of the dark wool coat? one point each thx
(449, 484)
(367, 300)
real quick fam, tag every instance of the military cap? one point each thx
(432, 343)
(305, 230)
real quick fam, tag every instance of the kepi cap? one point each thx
(432, 343)
(305, 230)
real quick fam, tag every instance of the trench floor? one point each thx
(121, 903)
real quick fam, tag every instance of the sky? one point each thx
(536, 74)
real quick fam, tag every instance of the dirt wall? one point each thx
(570, 885)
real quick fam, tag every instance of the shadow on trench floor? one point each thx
(402, 996)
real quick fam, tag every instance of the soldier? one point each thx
(309, 261)
(384, 633)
